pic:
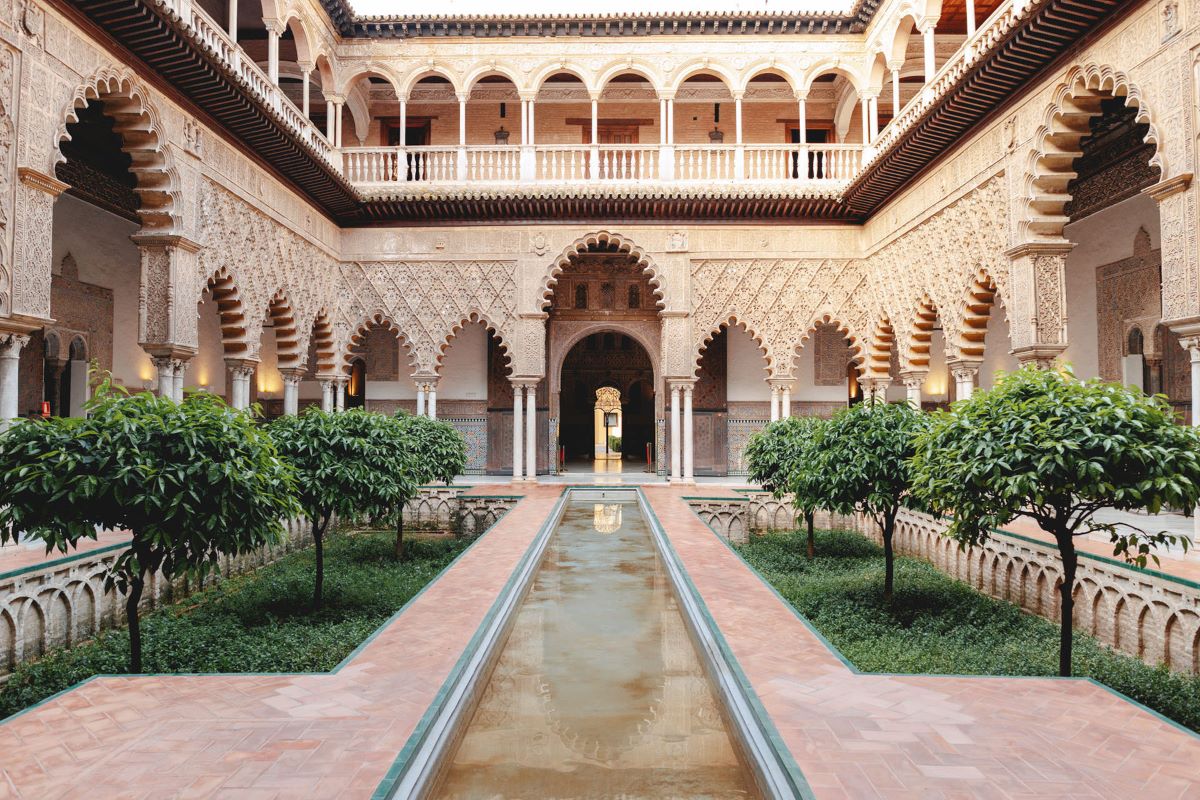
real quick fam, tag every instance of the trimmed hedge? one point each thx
(258, 622)
(936, 624)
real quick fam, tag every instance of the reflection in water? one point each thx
(606, 517)
(598, 692)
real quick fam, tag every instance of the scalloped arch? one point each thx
(605, 239)
(475, 317)
(974, 314)
(734, 321)
(915, 353)
(143, 137)
(227, 295)
(377, 318)
(829, 318)
(1049, 163)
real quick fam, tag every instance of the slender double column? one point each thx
(292, 376)
(964, 373)
(531, 431)
(327, 387)
(170, 370)
(241, 371)
(682, 452)
(913, 381)
(518, 460)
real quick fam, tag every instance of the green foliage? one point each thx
(1048, 446)
(614, 444)
(864, 466)
(439, 450)
(785, 459)
(259, 622)
(346, 464)
(936, 625)
(190, 481)
(1045, 445)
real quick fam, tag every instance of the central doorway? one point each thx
(607, 377)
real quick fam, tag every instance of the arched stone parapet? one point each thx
(603, 241)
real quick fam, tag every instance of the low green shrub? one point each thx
(935, 624)
(259, 622)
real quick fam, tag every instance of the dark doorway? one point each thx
(606, 359)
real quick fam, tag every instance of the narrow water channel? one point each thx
(598, 691)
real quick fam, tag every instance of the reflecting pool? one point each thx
(598, 691)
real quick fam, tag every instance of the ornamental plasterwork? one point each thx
(427, 301)
(771, 298)
(941, 258)
(264, 258)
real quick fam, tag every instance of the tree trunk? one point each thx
(1070, 559)
(318, 531)
(400, 535)
(812, 542)
(889, 556)
(132, 600)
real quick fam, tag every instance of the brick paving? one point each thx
(864, 736)
(335, 736)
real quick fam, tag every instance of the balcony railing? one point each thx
(814, 164)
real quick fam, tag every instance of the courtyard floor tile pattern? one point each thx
(335, 736)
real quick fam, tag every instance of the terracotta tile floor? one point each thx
(277, 736)
(335, 736)
(862, 736)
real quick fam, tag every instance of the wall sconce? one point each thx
(501, 136)
(715, 136)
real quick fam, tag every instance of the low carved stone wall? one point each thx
(1146, 614)
(63, 602)
(1143, 613)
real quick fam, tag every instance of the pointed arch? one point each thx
(322, 342)
(601, 242)
(143, 137)
(975, 311)
(916, 353)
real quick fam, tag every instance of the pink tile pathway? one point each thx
(15, 557)
(277, 736)
(925, 737)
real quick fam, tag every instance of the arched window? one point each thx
(607, 295)
(581, 295)
(1136, 343)
(635, 296)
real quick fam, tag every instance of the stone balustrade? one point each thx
(63, 602)
(1144, 613)
(804, 167)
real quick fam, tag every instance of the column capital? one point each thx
(1060, 247)
(680, 383)
(927, 24)
(1042, 356)
(802, 94)
(913, 377)
(528, 95)
(334, 97)
(41, 181)
(895, 65)
(242, 366)
(738, 94)
(11, 344)
(462, 96)
(666, 94)
(273, 25)
(780, 383)
(293, 374)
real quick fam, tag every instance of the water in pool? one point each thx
(598, 692)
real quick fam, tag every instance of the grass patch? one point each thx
(936, 624)
(258, 622)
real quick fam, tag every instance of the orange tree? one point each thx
(346, 465)
(784, 459)
(191, 482)
(1052, 448)
(436, 452)
(864, 466)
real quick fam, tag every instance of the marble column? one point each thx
(431, 400)
(339, 390)
(912, 385)
(785, 409)
(531, 432)
(10, 360)
(292, 377)
(689, 473)
(676, 473)
(926, 29)
(774, 402)
(326, 394)
(241, 371)
(518, 426)
(964, 379)
(421, 399)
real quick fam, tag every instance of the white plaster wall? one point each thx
(746, 368)
(106, 257)
(936, 387)
(1102, 238)
(464, 366)
(206, 370)
(996, 349)
(267, 376)
(805, 372)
